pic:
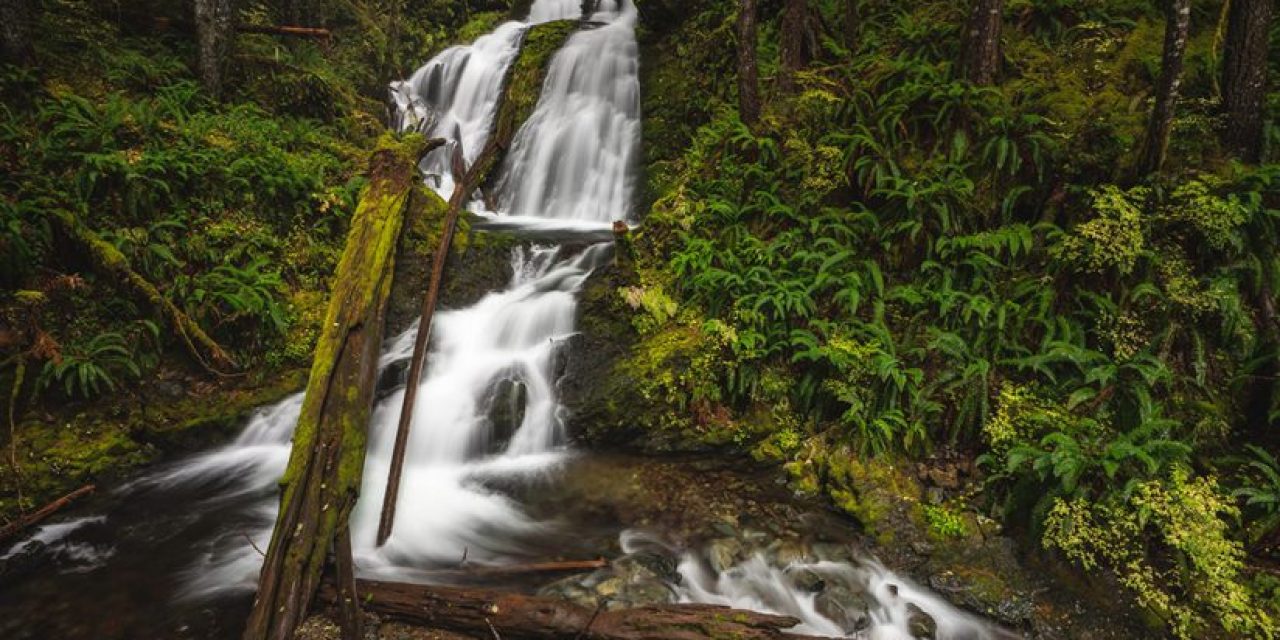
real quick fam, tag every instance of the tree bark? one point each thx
(519, 617)
(748, 73)
(852, 24)
(215, 32)
(304, 13)
(980, 58)
(16, 21)
(1177, 27)
(1244, 75)
(795, 16)
(322, 480)
(107, 260)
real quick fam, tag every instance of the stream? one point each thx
(489, 476)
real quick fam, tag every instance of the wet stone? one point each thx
(845, 606)
(724, 553)
(921, 624)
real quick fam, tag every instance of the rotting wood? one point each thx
(108, 260)
(522, 617)
(322, 481)
(35, 517)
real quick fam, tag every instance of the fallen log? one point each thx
(520, 617)
(297, 32)
(516, 569)
(107, 260)
(322, 480)
(35, 517)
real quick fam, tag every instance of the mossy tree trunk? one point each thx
(1177, 27)
(980, 57)
(17, 18)
(215, 33)
(748, 72)
(322, 481)
(1244, 75)
(108, 261)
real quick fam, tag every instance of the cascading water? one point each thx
(571, 167)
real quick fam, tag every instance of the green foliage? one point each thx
(1183, 517)
(90, 368)
(227, 295)
(1260, 488)
(944, 523)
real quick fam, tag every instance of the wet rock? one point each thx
(806, 579)
(507, 400)
(833, 552)
(788, 551)
(921, 624)
(645, 565)
(945, 477)
(724, 553)
(573, 589)
(846, 606)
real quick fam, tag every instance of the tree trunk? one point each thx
(795, 17)
(108, 261)
(852, 25)
(16, 18)
(304, 13)
(1244, 76)
(980, 59)
(513, 616)
(1177, 26)
(322, 480)
(215, 31)
(748, 74)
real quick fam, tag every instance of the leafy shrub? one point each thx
(90, 368)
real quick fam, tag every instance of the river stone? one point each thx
(787, 551)
(921, 624)
(845, 606)
(507, 399)
(572, 589)
(806, 579)
(647, 565)
(832, 552)
(724, 553)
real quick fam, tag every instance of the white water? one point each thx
(570, 165)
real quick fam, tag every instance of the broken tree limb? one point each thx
(514, 106)
(322, 480)
(297, 32)
(108, 260)
(520, 617)
(35, 517)
(516, 569)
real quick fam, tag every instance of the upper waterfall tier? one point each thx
(573, 158)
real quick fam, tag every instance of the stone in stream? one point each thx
(724, 553)
(506, 401)
(846, 606)
(922, 625)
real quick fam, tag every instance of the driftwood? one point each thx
(33, 518)
(108, 260)
(322, 481)
(520, 617)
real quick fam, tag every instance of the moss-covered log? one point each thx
(519, 617)
(322, 481)
(107, 260)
